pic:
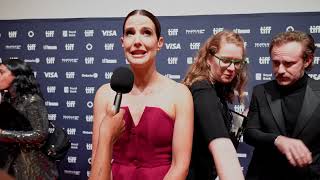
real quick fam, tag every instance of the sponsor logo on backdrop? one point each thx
(247, 60)
(216, 30)
(67, 117)
(71, 172)
(70, 75)
(71, 131)
(50, 74)
(93, 75)
(263, 76)
(69, 33)
(35, 73)
(107, 75)
(89, 104)
(109, 33)
(261, 45)
(194, 45)
(318, 45)
(89, 160)
(173, 32)
(172, 60)
(195, 31)
(13, 46)
(89, 118)
(12, 34)
(74, 145)
(173, 46)
(51, 104)
(31, 47)
(290, 28)
(71, 104)
(52, 117)
(50, 60)
(88, 173)
(108, 46)
(70, 90)
(316, 60)
(72, 159)
(87, 132)
(69, 47)
(314, 29)
(190, 60)
(89, 90)
(88, 33)
(173, 76)
(315, 76)
(239, 108)
(242, 31)
(35, 60)
(89, 60)
(109, 61)
(51, 89)
(30, 34)
(265, 29)
(49, 33)
(50, 47)
(264, 60)
(89, 146)
(69, 60)
(89, 46)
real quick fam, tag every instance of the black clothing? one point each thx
(212, 120)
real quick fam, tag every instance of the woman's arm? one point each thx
(110, 129)
(182, 135)
(225, 159)
(36, 113)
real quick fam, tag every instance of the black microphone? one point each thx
(122, 83)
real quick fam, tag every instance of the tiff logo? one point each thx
(71, 104)
(72, 159)
(52, 117)
(239, 108)
(314, 29)
(31, 47)
(89, 146)
(50, 60)
(264, 60)
(71, 131)
(88, 33)
(173, 32)
(70, 75)
(172, 60)
(316, 60)
(89, 118)
(51, 89)
(265, 29)
(216, 30)
(69, 47)
(89, 60)
(194, 46)
(108, 46)
(108, 75)
(89, 90)
(49, 33)
(12, 34)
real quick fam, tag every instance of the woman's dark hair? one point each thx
(24, 82)
(147, 14)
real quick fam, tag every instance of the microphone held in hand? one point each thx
(121, 82)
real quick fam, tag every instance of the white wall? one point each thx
(43, 9)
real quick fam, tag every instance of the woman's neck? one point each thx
(144, 78)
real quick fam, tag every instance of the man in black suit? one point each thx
(284, 115)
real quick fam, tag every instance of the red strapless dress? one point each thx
(144, 151)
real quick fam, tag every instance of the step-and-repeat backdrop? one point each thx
(73, 57)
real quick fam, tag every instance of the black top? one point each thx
(212, 120)
(291, 102)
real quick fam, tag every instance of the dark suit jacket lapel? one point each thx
(274, 100)
(310, 103)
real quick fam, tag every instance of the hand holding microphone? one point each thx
(121, 82)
